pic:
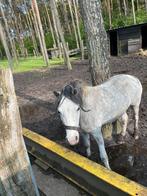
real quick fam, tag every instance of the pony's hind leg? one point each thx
(124, 122)
(136, 118)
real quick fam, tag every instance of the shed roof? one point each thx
(127, 27)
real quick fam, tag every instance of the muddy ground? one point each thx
(37, 107)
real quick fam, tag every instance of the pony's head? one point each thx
(69, 106)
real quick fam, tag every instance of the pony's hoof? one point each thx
(88, 154)
(120, 139)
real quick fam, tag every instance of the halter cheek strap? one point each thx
(73, 127)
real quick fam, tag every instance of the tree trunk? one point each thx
(133, 11)
(30, 26)
(21, 29)
(35, 30)
(50, 25)
(111, 5)
(59, 28)
(33, 17)
(16, 23)
(8, 34)
(3, 40)
(96, 39)
(119, 7)
(137, 4)
(109, 13)
(73, 23)
(41, 37)
(145, 1)
(65, 15)
(16, 177)
(97, 47)
(125, 8)
(78, 29)
(105, 6)
(56, 33)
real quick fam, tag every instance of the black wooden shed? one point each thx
(126, 40)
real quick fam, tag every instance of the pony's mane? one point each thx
(73, 91)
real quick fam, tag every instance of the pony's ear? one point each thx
(57, 93)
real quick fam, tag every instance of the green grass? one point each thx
(31, 63)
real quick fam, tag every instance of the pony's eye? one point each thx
(78, 109)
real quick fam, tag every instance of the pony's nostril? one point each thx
(76, 138)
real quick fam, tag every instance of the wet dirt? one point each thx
(38, 106)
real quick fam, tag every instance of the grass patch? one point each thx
(31, 63)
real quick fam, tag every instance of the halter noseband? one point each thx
(72, 128)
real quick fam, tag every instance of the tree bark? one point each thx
(16, 177)
(96, 40)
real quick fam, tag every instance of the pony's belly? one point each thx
(114, 115)
(92, 120)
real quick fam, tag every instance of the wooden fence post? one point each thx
(16, 177)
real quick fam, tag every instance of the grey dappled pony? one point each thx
(87, 108)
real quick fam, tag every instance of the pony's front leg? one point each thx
(86, 142)
(97, 134)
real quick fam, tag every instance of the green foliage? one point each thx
(71, 40)
(122, 20)
(141, 16)
(82, 31)
(49, 40)
(29, 45)
(2, 51)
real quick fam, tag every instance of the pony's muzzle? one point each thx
(72, 138)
